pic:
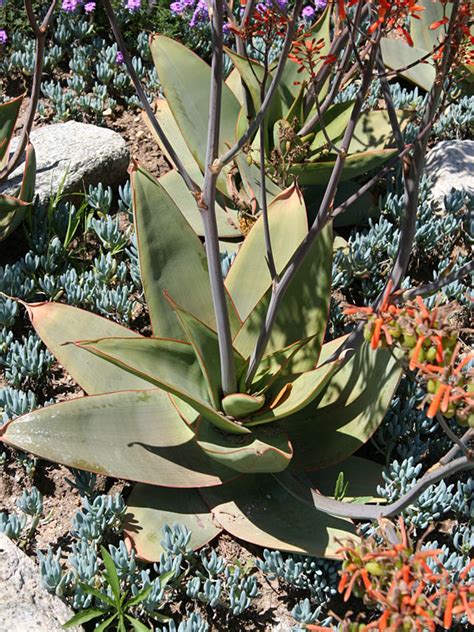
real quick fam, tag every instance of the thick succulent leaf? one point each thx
(12, 211)
(328, 349)
(206, 348)
(318, 173)
(135, 435)
(252, 72)
(249, 278)
(292, 75)
(27, 191)
(150, 508)
(172, 257)
(297, 107)
(423, 37)
(169, 364)
(234, 82)
(347, 412)
(252, 181)
(335, 120)
(262, 451)
(287, 396)
(167, 122)
(361, 475)
(276, 365)
(258, 510)
(9, 112)
(186, 81)
(374, 131)
(397, 55)
(227, 219)
(303, 312)
(58, 324)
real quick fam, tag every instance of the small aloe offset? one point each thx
(14, 207)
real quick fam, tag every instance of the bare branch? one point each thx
(207, 206)
(453, 436)
(465, 439)
(430, 288)
(301, 487)
(192, 186)
(391, 111)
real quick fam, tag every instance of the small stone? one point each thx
(25, 606)
(107, 112)
(140, 134)
(79, 153)
(449, 166)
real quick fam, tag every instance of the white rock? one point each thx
(450, 165)
(82, 154)
(25, 606)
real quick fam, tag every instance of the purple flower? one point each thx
(200, 13)
(69, 5)
(3, 37)
(178, 7)
(133, 5)
(119, 57)
(308, 12)
(89, 7)
(320, 4)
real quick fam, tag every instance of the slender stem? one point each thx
(255, 124)
(242, 51)
(430, 288)
(301, 487)
(336, 47)
(263, 199)
(449, 456)
(41, 33)
(452, 435)
(207, 206)
(329, 142)
(329, 100)
(391, 111)
(321, 219)
(177, 162)
(377, 177)
(414, 170)
(421, 60)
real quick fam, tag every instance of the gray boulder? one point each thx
(450, 165)
(25, 606)
(80, 154)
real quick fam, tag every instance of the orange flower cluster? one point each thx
(434, 351)
(307, 54)
(396, 578)
(464, 49)
(266, 22)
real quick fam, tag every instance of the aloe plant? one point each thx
(235, 415)
(14, 207)
(155, 412)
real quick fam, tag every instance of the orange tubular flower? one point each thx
(410, 594)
